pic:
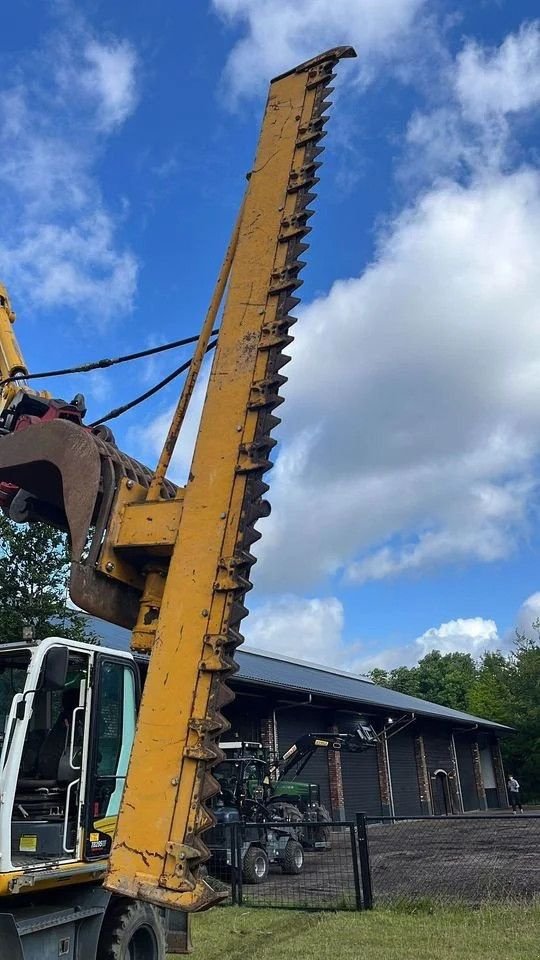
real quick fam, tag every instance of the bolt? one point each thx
(204, 613)
(109, 566)
(130, 484)
(239, 428)
(222, 516)
(174, 781)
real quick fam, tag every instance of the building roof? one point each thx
(273, 670)
(258, 667)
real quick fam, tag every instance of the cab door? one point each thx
(115, 702)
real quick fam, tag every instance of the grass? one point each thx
(416, 932)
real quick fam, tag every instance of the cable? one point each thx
(105, 362)
(118, 411)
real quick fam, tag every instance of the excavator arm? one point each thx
(173, 564)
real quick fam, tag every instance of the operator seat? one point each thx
(52, 760)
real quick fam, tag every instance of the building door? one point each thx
(466, 774)
(361, 789)
(442, 803)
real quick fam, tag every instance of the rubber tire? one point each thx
(249, 872)
(289, 813)
(323, 833)
(124, 920)
(289, 864)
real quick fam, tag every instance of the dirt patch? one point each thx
(456, 859)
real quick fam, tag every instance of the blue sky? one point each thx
(405, 495)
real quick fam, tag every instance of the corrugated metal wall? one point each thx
(466, 773)
(244, 716)
(405, 788)
(361, 783)
(437, 746)
(294, 723)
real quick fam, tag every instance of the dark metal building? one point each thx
(429, 759)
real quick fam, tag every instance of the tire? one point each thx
(286, 811)
(289, 814)
(255, 866)
(293, 859)
(132, 930)
(323, 831)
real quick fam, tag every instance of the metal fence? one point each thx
(353, 866)
(298, 866)
(468, 859)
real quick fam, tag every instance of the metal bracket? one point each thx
(177, 873)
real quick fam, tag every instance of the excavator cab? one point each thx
(67, 714)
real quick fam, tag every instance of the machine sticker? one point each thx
(27, 844)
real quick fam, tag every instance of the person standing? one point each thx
(513, 794)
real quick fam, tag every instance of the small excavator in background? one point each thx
(106, 757)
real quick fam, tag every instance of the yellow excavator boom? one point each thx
(158, 848)
(173, 564)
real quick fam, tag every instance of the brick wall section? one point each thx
(267, 735)
(500, 778)
(337, 798)
(478, 777)
(423, 776)
(384, 778)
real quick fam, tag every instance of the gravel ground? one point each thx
(471, 860)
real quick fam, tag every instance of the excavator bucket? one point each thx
(68, 476)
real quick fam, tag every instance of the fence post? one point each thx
(231, 827)
(365, 866)
(356, 869)
(239, 863)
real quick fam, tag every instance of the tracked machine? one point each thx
(97, 744)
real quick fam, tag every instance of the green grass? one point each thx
(420, 932)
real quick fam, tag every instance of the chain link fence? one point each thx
(266, 864)
(468, 859)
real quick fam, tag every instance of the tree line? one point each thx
(504, 687)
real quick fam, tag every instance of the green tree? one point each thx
(441, 678)
(500, 687)
(34, 567)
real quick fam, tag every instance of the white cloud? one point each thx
(59, 244)
(503, 80)
(311, 629)
(528, 614)
(489, 90)
(111, 80)
(473, 635)
(281, 33)
(302, 628)
(424, 454)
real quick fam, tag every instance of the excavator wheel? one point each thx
(132, 930)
